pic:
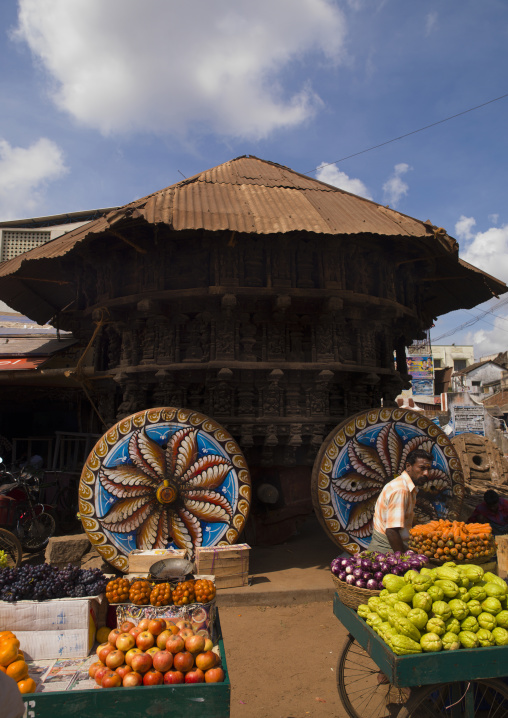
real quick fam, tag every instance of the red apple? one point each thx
(101, 646)
(113, 636)
(175, 644)
(171, 677)
(132, 679)
(214, 675)
(185, 633)
(156, 626)
(153, 678)
(144, 640)
(170, 626)
(183, 623)
(195, 644)
(126, 626)
(94, 667)
(183, 661)
(162, 638)
(135, 631)
(129, 655)
(153, 650)
(123, 670)
(195, 676)
(141, 662)
(104, 652)
(125, 642)
(163, 661)
(205, 660)
(111, 680)
(100, 673)
(115, 659)
(143, 624)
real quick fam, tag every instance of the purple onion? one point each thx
(360, 583)
(342, 575)
(358, 572)
(366, 564)
(397, 554)
(344, 562)
(410, 552)
(379, 576)
(350, 579)
(391, 560)
(397, 571)
(375, 566)
(423, 558)
(372, 584)
(349, 569)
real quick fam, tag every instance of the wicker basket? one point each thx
(351, 596)
(478, 561)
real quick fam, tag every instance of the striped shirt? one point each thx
(395, 506)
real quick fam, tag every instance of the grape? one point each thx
(45, 581)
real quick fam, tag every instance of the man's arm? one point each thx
(395, 539)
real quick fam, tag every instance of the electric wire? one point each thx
(475, 319)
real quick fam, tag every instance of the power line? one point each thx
(414, 132)
(470, 322)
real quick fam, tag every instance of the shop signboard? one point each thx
(421, 369)
(469, 419)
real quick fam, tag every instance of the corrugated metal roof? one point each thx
(246, 195)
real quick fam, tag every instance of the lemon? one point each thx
(102, 634)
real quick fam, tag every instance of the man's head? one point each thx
(418, 465)
(491, 498)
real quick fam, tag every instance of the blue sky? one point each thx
(104, 102)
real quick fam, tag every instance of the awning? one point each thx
(20, 363)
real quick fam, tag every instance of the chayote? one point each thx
(473, 573)
(391, 599)
(492, 605)
(452, 626)
(468, 639)
(406, 628)
(373, 603)
(502, 619)
(374, 620)
(436, 625)
(475, 607)
(363, 610)
(436, 593)
(487, 620)
(492, 578)
(495, 590)
(384, 592)
(450, 641)
(450, 588)
(500, 636)
(463, 594)
(406, 594)
(418, 617)
(393, 583)
(485, 637)
(382, 610)
(448, 573)
(409, 575)
(421, 583)
(423, 600)
(431, 643)
(458, 609)
(469, 624)
(402, 608)
(441, 610)
(404, 646)
(477, 593)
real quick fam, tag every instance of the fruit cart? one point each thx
(188, 700)
(465, 683)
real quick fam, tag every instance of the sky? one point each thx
(105, 102)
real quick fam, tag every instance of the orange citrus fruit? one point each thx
(27, 685)
(8, 653)
(17, 670)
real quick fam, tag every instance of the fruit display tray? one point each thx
(189, 700)
(422, 669)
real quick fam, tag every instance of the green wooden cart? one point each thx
(465, 683)
(191, 700)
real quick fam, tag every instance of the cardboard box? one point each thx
(232, 581)
(223, 560)
(59, 628)
(140, 561)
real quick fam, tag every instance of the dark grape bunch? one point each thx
(38, 583)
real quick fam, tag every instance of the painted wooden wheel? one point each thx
(163, 478)
(365, 452)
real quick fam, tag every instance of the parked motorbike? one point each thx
(21, 512)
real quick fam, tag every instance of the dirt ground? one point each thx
(282, 660)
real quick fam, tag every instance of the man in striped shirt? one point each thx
(394, 511)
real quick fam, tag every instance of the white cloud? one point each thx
(332, 175)
(464, 226)
(395, 188)
(489, 251)
(24, 173)
(122, 65)
(494, 218)
(490, 341)
(430, 22)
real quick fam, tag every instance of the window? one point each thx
(437, 363)
(459, 364)
(476, 383)
(16, 242)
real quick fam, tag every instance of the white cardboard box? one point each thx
(59, 628)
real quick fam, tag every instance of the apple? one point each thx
(175, 644)
(162, 638)
(101, 646)
(153, 678)
(183, 623)
(100, 673)
(132, 679)
(135, 631)
(171, 677)
(126, 626)
(208, 644)
(143, 624)
(183, 661)
(163, 661)
(195, 676)
(111, 680)
(144, 640)
(153, 650)
(113, 636)
(141, 662)
(170, 626)
(94, 667)
(123, 670)
(156, 626)
(129, 655)
(115, 659)
(104, 652)
(195, 644)
(125, 642)
(185, 633)
(205, 660)
(214, 675)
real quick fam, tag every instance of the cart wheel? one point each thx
(485, 698)
(12, 547)
(360, 691)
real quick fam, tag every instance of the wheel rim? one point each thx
(480, 699)
(12, 548)
(38, 532)
(357, 681)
